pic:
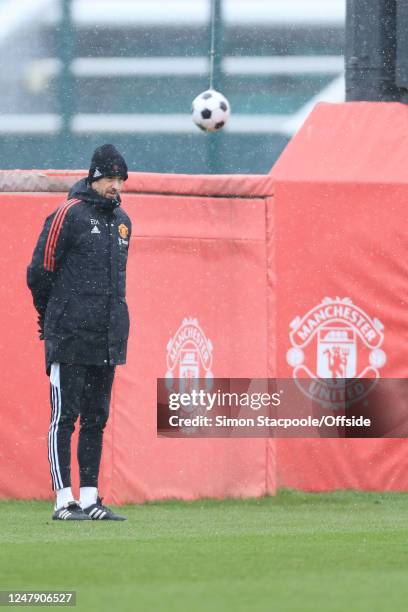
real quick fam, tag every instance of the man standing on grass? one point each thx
(77, 278)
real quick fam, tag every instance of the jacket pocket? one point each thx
(88, 313)
(56, 309)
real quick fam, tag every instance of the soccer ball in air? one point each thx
(210, 110)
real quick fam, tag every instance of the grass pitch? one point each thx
(296, 551)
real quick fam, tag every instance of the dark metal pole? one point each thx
(66, 37)
(371, 38)
(216, 14)
(215, 140)
(401, 71)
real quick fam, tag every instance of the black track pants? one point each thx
(85, 391)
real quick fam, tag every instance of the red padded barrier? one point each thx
(193, 258)
(340, 205)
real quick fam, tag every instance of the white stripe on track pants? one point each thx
(85, 391)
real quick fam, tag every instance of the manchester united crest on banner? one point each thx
(189, 359)
(189, 353)
(336, 340)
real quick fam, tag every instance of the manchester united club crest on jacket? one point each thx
(336, 340)
(123, 231)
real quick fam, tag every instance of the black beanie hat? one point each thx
(107, 161)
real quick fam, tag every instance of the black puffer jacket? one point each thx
(78, 280)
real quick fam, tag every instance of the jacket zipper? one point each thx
(110, 224)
